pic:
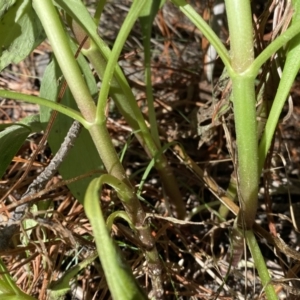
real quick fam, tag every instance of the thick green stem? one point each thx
(245, 124)
(103, 143)
(243, 97)
(240, 27)
(69, 67)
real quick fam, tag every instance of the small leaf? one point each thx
(28, 225)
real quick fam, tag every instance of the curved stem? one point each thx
(215, 41)
(129, 21)
(291, 68)
(282, 40)
(120, 280)
(41, 101)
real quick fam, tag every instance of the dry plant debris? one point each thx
(55, 238)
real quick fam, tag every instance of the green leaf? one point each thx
(83, 157)
(290, 70)
(5, 5)
(13, 136)
(119, 277)
(59, 288)
(20, 31)
(16, 297)
(33, 122)
(11, 140)
(8, 287)
(5, 288)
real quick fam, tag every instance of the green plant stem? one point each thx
(129, 21)
(103, 143)
(279, 42)
(291, 69)
(98, 53)
(146, 18)
(198, 21)
(57, 37)
(98, 131)
(120, 280)
(243, 97)
(99, 10)
(240, 28)
(118, 214)
(41, 101)
(260, 265)
(126, 103)
(71, 71)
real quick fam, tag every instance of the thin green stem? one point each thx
(107, 152)
(291, 68)
(41, 101)
(279, 42)
(146, 18)
(129, 21)
(198, 21)
(120, 92)
(72, 73)
(260, 265)
(99, 53)
(98, 131)
(99, 10)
